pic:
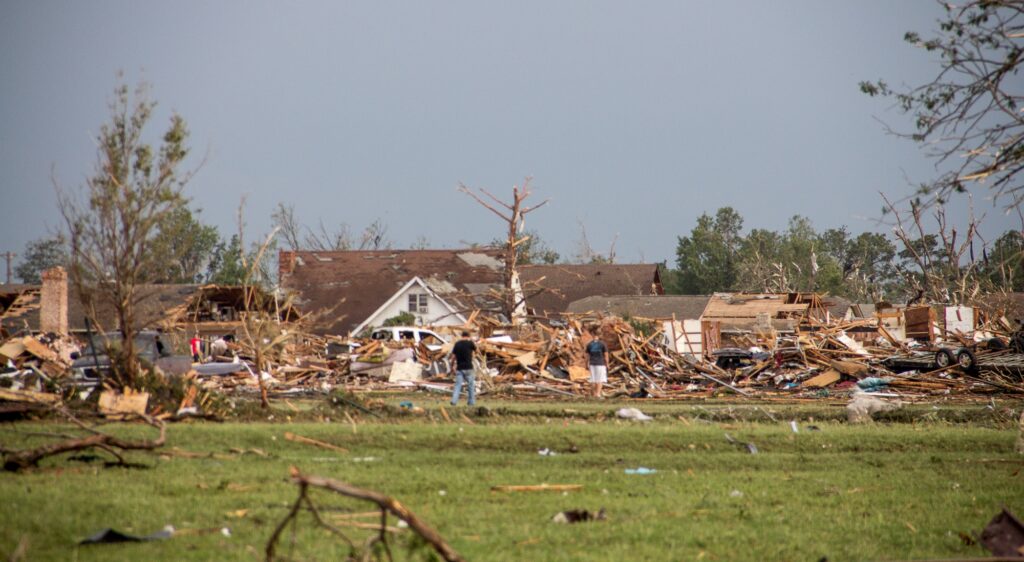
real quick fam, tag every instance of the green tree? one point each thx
(707, 259)
(39, 255)
(969, 116)
(760, 268)
(226, 267)
(114, 219)
(533, 251)
(1004, 264)
(185, 246)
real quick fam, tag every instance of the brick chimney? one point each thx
(53, 308)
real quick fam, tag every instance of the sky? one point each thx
(632, 118)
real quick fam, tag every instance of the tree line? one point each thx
(924, 258)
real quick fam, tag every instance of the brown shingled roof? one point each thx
(683, 307)
(355, 283)
(567, 283)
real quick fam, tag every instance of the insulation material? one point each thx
(960, 320)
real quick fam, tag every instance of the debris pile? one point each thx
(816, 360)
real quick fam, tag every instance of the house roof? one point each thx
(682, 307)
(343, 288)
(550, 288)
(1010, 305)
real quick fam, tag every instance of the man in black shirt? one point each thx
(463, 369)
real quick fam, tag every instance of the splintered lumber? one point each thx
(830, 376)
(578, 374)
(12, 349)
(28, 396)
(850, 368)
(314, 442)
(539, 488)
(35, 347)
(115, 405)
(528, 359)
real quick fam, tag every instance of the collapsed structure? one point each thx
(661, 346)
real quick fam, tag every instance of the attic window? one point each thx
(418, 302)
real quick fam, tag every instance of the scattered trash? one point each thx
(863, 407)
(545, 452)
(107, 536)
(874, 384)
(641, 470)
(735, 494)
(632, 414)
(1004, 535)
(794, 427)
(750, 447)
(579, 516)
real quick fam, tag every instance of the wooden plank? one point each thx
(316, 443)
(28, 396)
(113, 404)
(830, 376)
(539, 488)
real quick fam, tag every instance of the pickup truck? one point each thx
(92, 363)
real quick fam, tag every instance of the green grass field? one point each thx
(890, 491)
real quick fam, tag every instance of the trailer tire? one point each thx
(944, 358)
(967, 360)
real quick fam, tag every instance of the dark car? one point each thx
(93, 362)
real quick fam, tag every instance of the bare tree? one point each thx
(112, 221)
(946, 268)
(375, 236)
(514, 305)
(322, 239)
(585, 253)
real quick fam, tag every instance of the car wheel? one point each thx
(967, 361)
(944, 358)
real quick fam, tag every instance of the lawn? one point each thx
(885, 491)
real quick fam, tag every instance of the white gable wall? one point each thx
(436, 314)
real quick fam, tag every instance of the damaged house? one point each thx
(549, 289)
(55, 307)
(349, 291)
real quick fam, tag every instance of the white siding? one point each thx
(437, 313)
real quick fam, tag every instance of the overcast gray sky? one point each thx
(632, 117)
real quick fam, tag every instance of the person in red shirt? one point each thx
(196, 346)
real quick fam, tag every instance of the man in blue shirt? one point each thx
(463, 352)
(597, 352)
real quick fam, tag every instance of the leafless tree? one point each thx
(375, 237)
(514, 215)
(946, 270)
(322, 239)
(585, 253)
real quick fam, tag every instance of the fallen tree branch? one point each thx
(387, 505)
(15, 460)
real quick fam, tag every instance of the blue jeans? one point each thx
(466, 377)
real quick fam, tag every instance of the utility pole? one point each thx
(9, 256)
